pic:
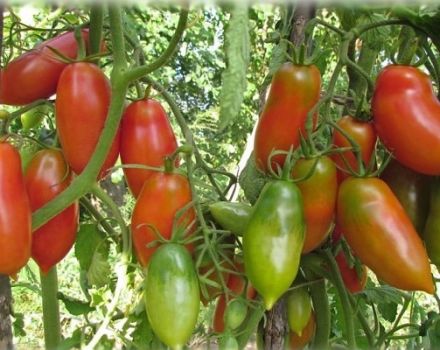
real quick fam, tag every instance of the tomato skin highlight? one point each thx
(47, 175)
(294, 91)
(361, 132)
(15, 218)
(146, 138)
(319, 204)
(406, 117)
(381, 234)
(34, 75)
(83, 99)
(171, 295)
(161, 197)
(274, 239)
(412, 191)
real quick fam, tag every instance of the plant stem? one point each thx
(141, 71)
(346, 305)
(96, 20)
(321, 306)
(51, 312)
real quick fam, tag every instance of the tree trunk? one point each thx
(5, 311)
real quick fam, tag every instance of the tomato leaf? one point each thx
(388, 311)
(237, 60)
(75, 307)
(91, 250)
(251, 180)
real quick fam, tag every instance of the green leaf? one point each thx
(251, 180)
(99, 272)
(18, 325)
(237, 61)
(72, 342)
(143, 334)
(74, 306)
(91, 250)
(388, 311)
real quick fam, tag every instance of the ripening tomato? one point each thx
(34, 75)
(83, 99)
(162, 196)
(299, 341)
(294, 91)
(381, 234)
(47, 175)
(319, 204)
(406, 117)
(15, 213)
(273, 240)
(172, 295)
(364, 135)
(146, 139)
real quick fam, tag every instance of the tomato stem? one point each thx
(96, 20)
(51, 312)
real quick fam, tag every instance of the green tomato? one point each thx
(233, 217)
(431, 233)
(228, 342)
(235, 313)
(299, 309)
(273, 240)
(4, 114)
(34, 116)
(171, 295)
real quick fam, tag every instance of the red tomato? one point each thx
(162, 196)
(15, 213)
(319, 204)
(83, 98)
(294, 91)
(381, 234)
(406, 116)
(146, 138)
(34, 75)
(47, 175)
(365, 136)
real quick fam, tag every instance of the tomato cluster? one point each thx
(308, 194)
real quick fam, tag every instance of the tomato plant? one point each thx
(146, 139)
(319, 205)
(363, 134)
(293, 93)
(34, 75)
(47, 175)
(381, 234)
(172, 295)
(162, 196)
(273, 240)
(15, 218)
(405, 112)
(81, 107)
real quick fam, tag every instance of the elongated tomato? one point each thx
(83, 98)
(15, 213)
(294, 91)
(146, 139)
(34, 75)
(381, 234)
(47, 175)
(162, 196)
(406, 116)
